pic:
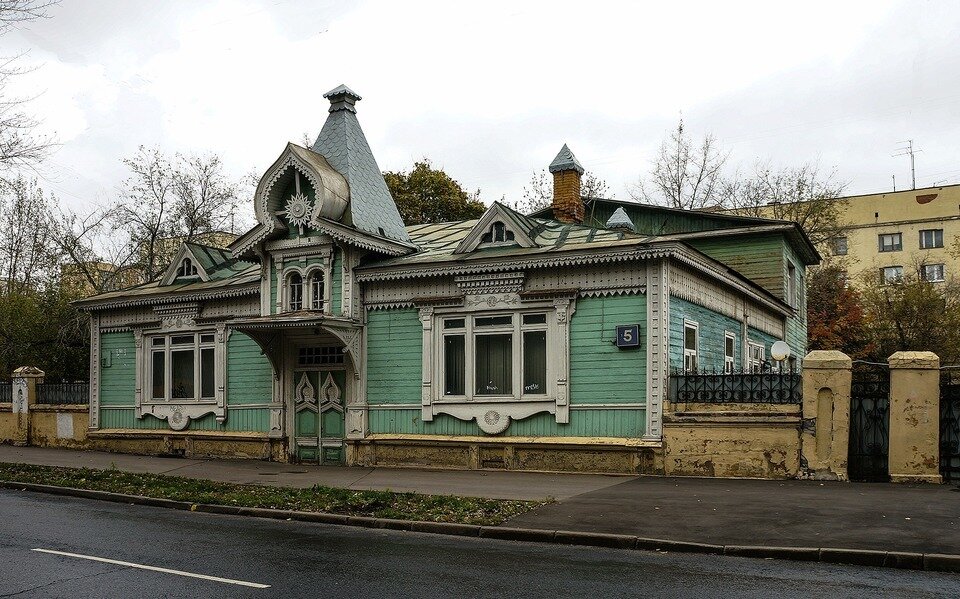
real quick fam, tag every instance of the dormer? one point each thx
(498, 227)
(186, 267)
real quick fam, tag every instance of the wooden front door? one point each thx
(318, 398)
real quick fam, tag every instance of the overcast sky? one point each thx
(491, 90)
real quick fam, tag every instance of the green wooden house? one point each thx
(332, 333)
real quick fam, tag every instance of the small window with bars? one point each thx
(320, 356)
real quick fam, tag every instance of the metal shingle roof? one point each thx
(343, 144)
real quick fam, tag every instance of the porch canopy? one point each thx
(274, 332)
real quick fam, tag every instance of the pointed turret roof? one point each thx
(343, 144)
(565, 161)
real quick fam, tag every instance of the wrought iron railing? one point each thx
(6, 392)
(63, 393)
(736, 387)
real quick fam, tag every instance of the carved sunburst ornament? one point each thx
(298, 210)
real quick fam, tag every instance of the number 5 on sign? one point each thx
(628, 335)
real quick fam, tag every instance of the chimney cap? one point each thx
(342, 98)
(566, 161)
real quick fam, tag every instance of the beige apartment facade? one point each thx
(899, 234)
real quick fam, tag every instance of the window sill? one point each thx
(494, 416)
(460, 399)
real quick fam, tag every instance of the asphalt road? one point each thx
(313, 560)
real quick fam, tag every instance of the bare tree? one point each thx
(206, 200)
(20, 145)
(685, 174)
(167, 201)
(538, 194)
(804, 194)
(26, 257)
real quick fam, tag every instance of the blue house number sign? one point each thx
(628, 335)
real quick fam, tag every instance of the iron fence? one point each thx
(63, 393)
(950, 425)
(868, 445)
(6, 392)
(736, 387)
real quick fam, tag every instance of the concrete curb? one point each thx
(935, 562)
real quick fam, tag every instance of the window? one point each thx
(792, 286)
(891, 274)
(932, 272)
(478, 355)
(891, 242)
(182, 367)
(757, 357)
(498, 233)
(318, 356)
(729, 351)
(295, 292)
(839, 246)
(187, 269)
(691, 332)
(931, 238)
(316, 291)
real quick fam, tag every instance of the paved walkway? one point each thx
(470, 483)
(921, 518)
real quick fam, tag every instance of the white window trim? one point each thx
(756, 364)
(943, 273)
(729, 361)
(167, 350)
(179, 412)
(494, 413)
(306, 273)
(695, 352)
(883, 275)
(880, 237)
(934, 232)
(470, 333)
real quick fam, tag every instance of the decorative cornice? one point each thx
(344, 234)
(639, 290)
(512, 264)
(438, 302)
(153, 300)
(506, 282)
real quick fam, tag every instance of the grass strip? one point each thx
(377, 504)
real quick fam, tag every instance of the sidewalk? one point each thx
(885, 517)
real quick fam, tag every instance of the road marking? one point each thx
(105, 560)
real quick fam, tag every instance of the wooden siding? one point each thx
(118, 380)
(394, 356)
(797, 325)
(249, 374)
(336, 282)
(247, 419)
(760, 258)
(655, 221)
(713, 328)
(599, 371)
(627, 423)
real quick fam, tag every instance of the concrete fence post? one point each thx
(914, 454)
(825, 427)
(24, 390)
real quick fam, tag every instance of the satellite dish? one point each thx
(780, 351)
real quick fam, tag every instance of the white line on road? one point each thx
(243, 583)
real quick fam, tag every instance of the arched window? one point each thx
(295, 292)
(187, 269)
(498, 233)
(316, 290)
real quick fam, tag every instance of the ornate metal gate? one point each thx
(950, 425)
(869, 423)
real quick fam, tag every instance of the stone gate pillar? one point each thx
(24, 390)
(825, 428)
(914, 454)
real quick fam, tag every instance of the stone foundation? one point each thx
(615, 456)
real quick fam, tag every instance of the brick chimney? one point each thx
(567, 204)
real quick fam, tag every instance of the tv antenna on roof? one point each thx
(908, 150)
